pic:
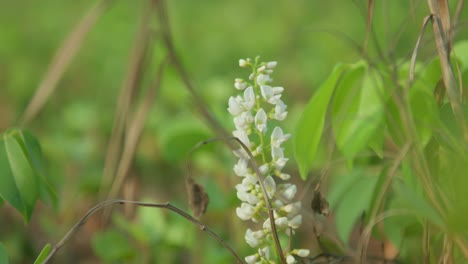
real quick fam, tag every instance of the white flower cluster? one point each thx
(253, 113)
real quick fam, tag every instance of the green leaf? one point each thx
(179, 137)
(25, 178)
(357, 110)
(43, 255)
(416, 203)
(34, 153)
(310, 126)
(3, 255)
(8, 190)
(112, 246)
(354, 202)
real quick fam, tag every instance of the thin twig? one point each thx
(167, 206)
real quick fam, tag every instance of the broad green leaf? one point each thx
(310, 126)
(8, 190)
(179, 137)
(357, 109)
(3, 255)
(415, 202)
(43, 255)
(34, 153)
(112, 246)
(26, 179)
(354, 202)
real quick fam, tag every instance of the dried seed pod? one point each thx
(320, 204)
(198, 198)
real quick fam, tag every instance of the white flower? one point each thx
(271, 64)
(243, 63)
(234, 106)
(262, 79)
(302, 252)
(289, 191)
(277, 89)
(284, 176)
(264, 252)
(292, 209)
(241, 167)
(244, 195)
(261, 121)
(240, 84)
(290, 259)
(261, 69)
(264, 168)
(267, 225)
(251, 259)
(270, 186)
(278, 157)
(281, 221)
(267, 94)
(280, 111)
(249, 98)
(295, 222)
(278, 137)
(242, 136)
(245, 212)
(253, 238)
(243, 121)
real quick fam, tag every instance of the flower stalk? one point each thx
(265, 194)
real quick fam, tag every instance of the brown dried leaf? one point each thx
(198, 198)
(320, 204)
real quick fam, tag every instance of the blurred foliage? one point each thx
(307, 38)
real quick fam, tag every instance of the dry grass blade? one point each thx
(62, 59)
(416, 48)
(127, 93)
(370, 14)
(134, 132)
(451, 85)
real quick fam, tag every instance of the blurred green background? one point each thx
(307, 38)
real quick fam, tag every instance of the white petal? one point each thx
(249, 98)
(239, 84)
(241, 167)
(289, 192)
(270, 186)
(277, 90)
(303, 253)
(271, 64)
(261, 121)
(252, 259)
(295, 222)
(242, 63)
(245, 212)
(281, 222)
(234, 106)
(262, 79)
(290, 259)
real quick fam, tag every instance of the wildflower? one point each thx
(253, 112)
